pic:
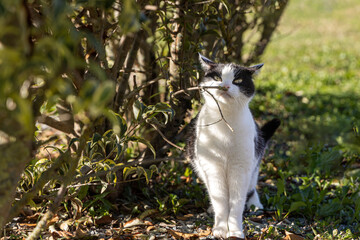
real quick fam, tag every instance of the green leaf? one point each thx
(295, 206)
(108, 133)
(138, 109)
(144, 141)
(166, 109)
(129, 19)
(55, 148)
(129, 170)
(119, 151)
(119, 123)
(83, 192)
(104, 93)
(73, 140)
(97, 137)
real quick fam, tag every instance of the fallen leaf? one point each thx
(148, 229)
(61, 234)
(292, 236)
(256, 219)
(185, 217)
(80, 233)
(32, 218)
(136, 222)
(54, 220)
(27, 224)
(64, 226)
(104, 220)
(180, 235)
(147, 213)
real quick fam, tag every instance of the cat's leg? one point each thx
(252, 195)
(253, 200)
(239, 180)
(218, 193)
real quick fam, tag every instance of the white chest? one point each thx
(232, 139)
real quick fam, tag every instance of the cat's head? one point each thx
(236, 82)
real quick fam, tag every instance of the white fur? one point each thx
(225, 159)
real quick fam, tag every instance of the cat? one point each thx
(227, 144)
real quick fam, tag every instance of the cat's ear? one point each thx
(256, 68)
(206, 63)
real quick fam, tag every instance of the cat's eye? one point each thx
(217, 78)
(237, 81)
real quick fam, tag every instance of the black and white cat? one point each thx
(228, 145)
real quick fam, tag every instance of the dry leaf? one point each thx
(136, 222)
(80, 233)
(64, 226)
(147, 213)
(185, 217)
(180, 235)
(27, 224)
(292, 236)
(104, 220)
(54, 220)
(148, 229)
(32, 218)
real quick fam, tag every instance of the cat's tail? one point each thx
(269, 129)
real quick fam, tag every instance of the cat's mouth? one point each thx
(225, 95)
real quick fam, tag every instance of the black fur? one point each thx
(264, 135)
(250, 194)
(191, 138)
(269, 129)
(247, 86)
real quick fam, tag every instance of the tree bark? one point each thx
(269, 22)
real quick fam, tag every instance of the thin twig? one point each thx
(48, 215)
(46, 176)
(201, 88)
(221, 114)
(137, 89)
(61, 193)
(63, 126)
(165, 139)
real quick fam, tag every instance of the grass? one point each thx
(311, 81)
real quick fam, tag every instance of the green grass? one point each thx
(311, 74)
(311, 82)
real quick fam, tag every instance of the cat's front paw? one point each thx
(219, 232)
(236, 234)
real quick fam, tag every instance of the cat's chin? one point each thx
(225, 97)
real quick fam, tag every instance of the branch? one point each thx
(120, 54)
(165, 139)
(122, 85)
(201, 88)
(44, 178)
(270, 22)
(137, 90)
(61, 193)
(48, 215)
(63, 126)
(221, 114)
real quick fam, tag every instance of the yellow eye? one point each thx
(237, 81)
(217, 78)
